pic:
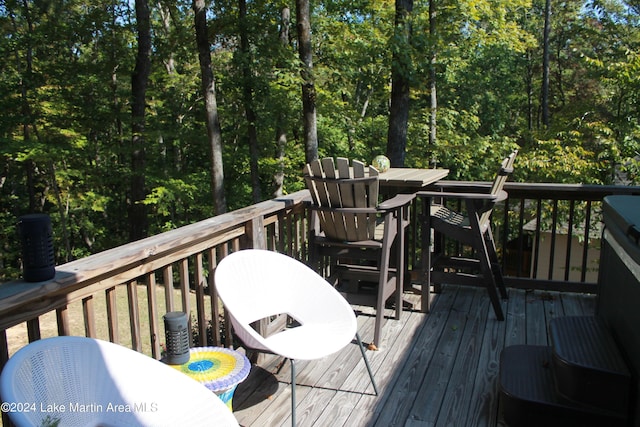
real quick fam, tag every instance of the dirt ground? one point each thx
(17, 336)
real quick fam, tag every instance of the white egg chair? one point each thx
(254, 284)
(78, 381)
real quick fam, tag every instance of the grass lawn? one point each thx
(17, 336)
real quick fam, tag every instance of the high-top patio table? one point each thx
(403, 180)
(410, 180)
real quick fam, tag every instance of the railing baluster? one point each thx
(289, 237)
(153, 315)
(4, 355)
(213, 294)
(167, 278)
(228, 339)
(33, 329)
(297, 238)
(62, 319)
(521, 239)
(504, 236)
(552, 250)
(112, 314)
(88, 312)
(134, 315)
(536, 256)
(414, 238)
(585, 246)
(567, 261)
(184, 286)
(199, 285)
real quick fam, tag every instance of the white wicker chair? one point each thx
(82, 381)
(255, 284)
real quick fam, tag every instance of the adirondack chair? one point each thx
(472, 228)
(354, 234)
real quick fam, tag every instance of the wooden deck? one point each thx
(432, 369)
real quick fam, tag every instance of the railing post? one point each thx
(254, 234)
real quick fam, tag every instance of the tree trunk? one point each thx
(247, 98)
(170, 66)
(530, 91)
(308, 87)
(545, 64)
(559, 79)
(432, 78)
(399, 111)
(165, 19)
(62, 212)
(214, 132)
(281, 133)
(26, 80)
(116, 104)
(139, 79)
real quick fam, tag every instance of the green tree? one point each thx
(66, 131)
(214, 131)
(401, 74)
(303, 17)
(138, 221)
(353, 73)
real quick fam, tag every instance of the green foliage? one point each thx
(65, 131)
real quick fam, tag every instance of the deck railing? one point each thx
(183, 261)
(552, 235)
(547, 235)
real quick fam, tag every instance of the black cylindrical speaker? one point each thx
(38, 262)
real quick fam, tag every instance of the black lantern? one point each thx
(38, 262)
(177, 337)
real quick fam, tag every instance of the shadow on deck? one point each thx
(432, 369)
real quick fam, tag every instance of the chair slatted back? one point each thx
(506, 169)
(345, 197)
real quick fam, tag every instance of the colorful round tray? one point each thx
(218, 368)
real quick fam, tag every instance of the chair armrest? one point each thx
(344, 210)
(456, 195)
(460, 186)
(396, 202)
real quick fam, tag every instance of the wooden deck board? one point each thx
(399, 400)
(484, 397)
(432, 369)
(460, 389)
(431, 393)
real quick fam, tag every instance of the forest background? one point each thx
(122, 119)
